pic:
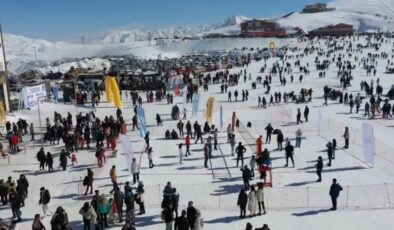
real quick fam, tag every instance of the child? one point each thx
(112, 211)
(180, 152)
(73, 159)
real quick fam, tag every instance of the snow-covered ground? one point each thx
(294, 202)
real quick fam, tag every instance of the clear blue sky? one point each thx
(70, 19)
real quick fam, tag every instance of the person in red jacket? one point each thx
(259, 145)
(187, 143)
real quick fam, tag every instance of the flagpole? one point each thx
(6, 82)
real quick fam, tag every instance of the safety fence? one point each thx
(221, 195)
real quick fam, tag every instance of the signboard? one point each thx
(32, 94)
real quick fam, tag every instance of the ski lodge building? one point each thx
(316, 8)
(261, 28)
(340, 29)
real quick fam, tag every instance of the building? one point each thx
(261, 28)
(316, 8)
(340, 29)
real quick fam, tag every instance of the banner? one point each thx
(3, 116)
(368, 144)
(2, 61)
(209, 112)
(196, 101)
(127, 148)
(221, 117)
(55, 92)
(116, 93)
(108, 90)
(32, 94)
(142, 121)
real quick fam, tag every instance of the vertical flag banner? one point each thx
(142, 121)
(196, 101)
(127, 148)
(112, 91)
(55, 92)
(108, 90)
(368, 144)
(209, 112)
(233, 121)
(3, 68)
(221, 117)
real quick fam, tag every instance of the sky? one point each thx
(69, 20)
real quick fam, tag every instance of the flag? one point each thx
(209, 113)
(142, 121)
(127, 148)
(196, 100)
(368, 143)
(221, 117)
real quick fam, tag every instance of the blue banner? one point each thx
(142, 121)
(221, 117)
(55, 93)
(196, 100)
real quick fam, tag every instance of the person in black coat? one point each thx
(63, 159)
(49, 162)
(269, 130)
(240, 150)
(41, 158)
(242, 201)
(181, 222)
(20, 189)
(89, 182)
(289, 149)
(15, 204)
(319, 168)
(329, 153)
(45, 197)
(25, 184)
(246, 176)
(191, 214)
(335, 189)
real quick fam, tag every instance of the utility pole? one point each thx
(5, 82)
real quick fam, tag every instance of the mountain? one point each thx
(130, 36)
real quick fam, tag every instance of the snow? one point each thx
(295, 201)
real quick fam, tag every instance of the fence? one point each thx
(224, 196)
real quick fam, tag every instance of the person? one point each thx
(259, 145)
(113, 176)
(32, 131)
(45, 197)
(118, 200)
(232, 144)
(298, 138)
(319, 168)
(168, 217)
(279, 139)
(306, 113)
(181, 222)
(88, 215)
(334, 147)
(269, 130)
(246, 177)
(59, 220)
(37, 223)
(260, 198)
(112, 211)
(135, 171)
(199, 223)
(206, 155)
(265, 227)
(299, 116)
(252, 164)
(329, 153)
(289, 149)
(346, 136)
(249, 226)
(63, 159)
(252, 202)
(180, 152)
(150, 151)
(15, 202)
(41, 157)
(187, 143)
(242, 201)
(139, 198)
(74, 159)
(146, 138)
(175, 201)
(191, 214)
(240, 150)
(88, 181)
(335, 189)
(49, 162)
(103, 208)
